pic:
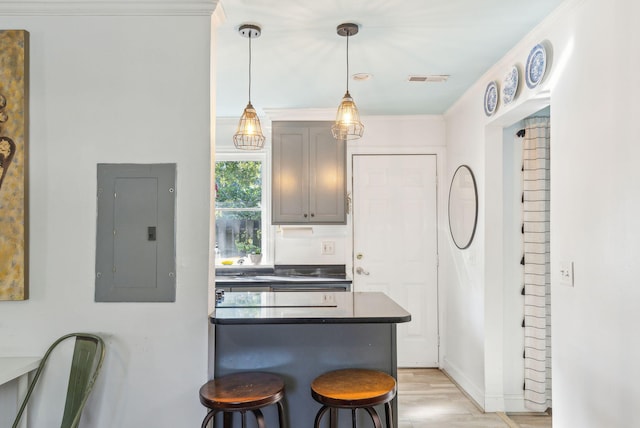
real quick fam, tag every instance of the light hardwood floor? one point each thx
(427, 398)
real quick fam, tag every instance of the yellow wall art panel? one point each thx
(14, 76)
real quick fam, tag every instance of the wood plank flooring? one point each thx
(427, 398)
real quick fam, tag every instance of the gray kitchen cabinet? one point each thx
(309, 169)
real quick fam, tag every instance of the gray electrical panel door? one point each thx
(135, 242)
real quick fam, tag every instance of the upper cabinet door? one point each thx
(290, 200)
(327, 172)
(309, 169)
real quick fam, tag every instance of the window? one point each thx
(239, 210)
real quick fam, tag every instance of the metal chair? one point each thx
(88, 355)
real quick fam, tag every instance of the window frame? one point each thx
(267, 230)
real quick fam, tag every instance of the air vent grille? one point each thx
(428, 78)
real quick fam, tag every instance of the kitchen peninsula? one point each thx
(300, 335)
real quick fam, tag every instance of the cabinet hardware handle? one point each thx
(312, 215)
(305, 216)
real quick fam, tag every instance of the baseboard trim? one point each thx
(494, 403)
(512, 403)
(471, 390)
(515, 404)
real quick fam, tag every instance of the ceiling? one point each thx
(299, 61)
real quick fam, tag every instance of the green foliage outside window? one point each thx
(239, 184)
(238, 208)
(245, 244)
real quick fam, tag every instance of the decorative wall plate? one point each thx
(491, 98)
(510, 85)
(536, 66)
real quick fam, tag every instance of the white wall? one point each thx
(116, 89)
(463, 286)
(595, 205)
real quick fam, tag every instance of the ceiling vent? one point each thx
(429, 78)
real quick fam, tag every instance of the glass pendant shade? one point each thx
(348, 125)
(249, 135)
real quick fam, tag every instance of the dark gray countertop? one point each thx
(281, 274)
(227, 280)
(308, 308)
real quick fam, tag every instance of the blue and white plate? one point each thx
(510, 85)
(536, 66)
(491, 99)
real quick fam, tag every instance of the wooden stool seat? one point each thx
(354, 389)
(242, 392)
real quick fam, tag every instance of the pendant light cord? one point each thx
(348, 34)
(249, 66)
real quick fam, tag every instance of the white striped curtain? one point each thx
(536, 261)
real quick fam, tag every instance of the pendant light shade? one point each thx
(347, 125)
(249, 135)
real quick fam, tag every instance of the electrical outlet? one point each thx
(566, 273)
(328, 248)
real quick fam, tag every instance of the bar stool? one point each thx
(354, 389)
(242, 392)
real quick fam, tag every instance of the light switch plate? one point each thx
(566, 273)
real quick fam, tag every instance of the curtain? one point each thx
(536, 261)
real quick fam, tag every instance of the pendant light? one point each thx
(249, 135)
(348, 125)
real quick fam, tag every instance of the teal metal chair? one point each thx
(88, 355)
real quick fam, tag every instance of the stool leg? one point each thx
(259, 418)
(210, 415)
(374, 417)
(281, 421)
(227, 421)
(333, 422)
(319, 416)
(353, 418)
(389, 415)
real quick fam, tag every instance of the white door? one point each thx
(395, 244)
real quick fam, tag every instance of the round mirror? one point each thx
(463, 207)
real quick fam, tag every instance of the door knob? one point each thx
(361, 271)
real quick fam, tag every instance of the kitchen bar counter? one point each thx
(300, 335)
(308, 308)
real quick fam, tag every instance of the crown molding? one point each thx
(219, 16)
(108, 8)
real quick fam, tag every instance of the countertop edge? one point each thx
(350, 320)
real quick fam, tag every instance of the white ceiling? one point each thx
(299, 61)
